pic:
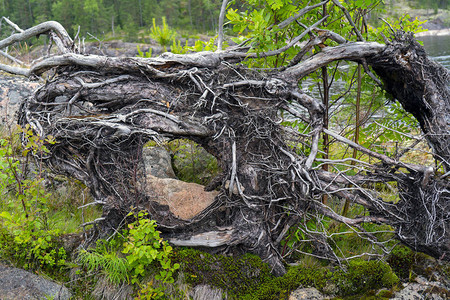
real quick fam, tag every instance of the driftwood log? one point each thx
(102, 110)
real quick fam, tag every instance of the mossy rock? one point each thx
(362, 277)
(407, 264)
(361, 280)
(281, 287)
(385, 294)
(245, 277)
(248, 278)
(401, 260)
(237, 276)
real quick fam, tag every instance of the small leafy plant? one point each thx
(177, 48)
(162, 34)
(144, 246)
(105, 257)
(134, 256)
(145, 54)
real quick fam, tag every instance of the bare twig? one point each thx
(221, 18)
(301, 13)
(349, 19)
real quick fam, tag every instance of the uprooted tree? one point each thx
(103, 110)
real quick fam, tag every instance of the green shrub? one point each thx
(144, 246)
(24, 242)
(177, 48)
(25, 234)
(143, 54)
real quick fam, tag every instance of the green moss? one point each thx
(364, 276)
(407, 264)
(401, 260)
(237, 276)
(361, 279)
(281, 287)
(248, 278)
(385, 294)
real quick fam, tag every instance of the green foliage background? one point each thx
(101, 16)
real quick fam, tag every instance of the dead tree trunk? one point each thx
(421, 86)
(102, 110)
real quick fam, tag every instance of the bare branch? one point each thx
(13, 59)
(13, 25)
(350, 51)
(15, 70)
(221, 18)
(301, 13)
(381, 157)
(45, 27)
(349, 19)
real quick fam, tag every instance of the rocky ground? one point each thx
(12, 90)
(436, 20)
(20, 284)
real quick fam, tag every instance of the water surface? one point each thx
(438, 47)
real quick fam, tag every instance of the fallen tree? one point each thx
(103, 110)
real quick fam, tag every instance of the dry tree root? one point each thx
(102, 110)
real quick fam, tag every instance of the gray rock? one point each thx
(423, 289)
(14, 97)
(436, 24)
(412, 291)
(20, 284)
(306, 293)
(206, 292)
(157, 162)
(105, 290)
(12, 90)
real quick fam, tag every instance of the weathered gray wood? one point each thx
(102, 110)
(210, 239)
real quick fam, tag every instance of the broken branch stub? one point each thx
(103, 110)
